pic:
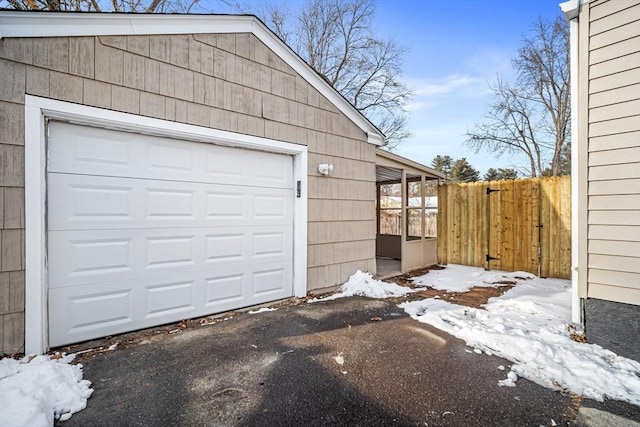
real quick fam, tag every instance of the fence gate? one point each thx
(513, 225)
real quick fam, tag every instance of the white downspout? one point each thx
(571, 10)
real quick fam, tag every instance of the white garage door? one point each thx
(144, 230)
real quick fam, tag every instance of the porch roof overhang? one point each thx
(389, 167)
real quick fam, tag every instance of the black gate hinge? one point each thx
(490, 258)
(299, 189)
(491, 190)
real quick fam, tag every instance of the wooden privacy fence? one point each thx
(512, 225)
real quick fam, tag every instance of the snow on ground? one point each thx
(460, 278)
(363, 284)
(262, 310)
(528, 325)
(34, 392)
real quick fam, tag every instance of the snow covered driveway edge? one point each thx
(528, 325)
(35, 391)
(363, 284)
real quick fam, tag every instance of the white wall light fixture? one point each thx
(324, 169)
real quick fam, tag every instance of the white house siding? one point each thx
(609, 46)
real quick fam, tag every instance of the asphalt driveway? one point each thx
(353, 361)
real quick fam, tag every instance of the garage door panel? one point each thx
(170, 203)
(171, 158)
(98, 202)
(75, 258)
(167, 298)
(225, 288)
(94, 151)
(225, 246)
(89, 311)
(271, 206)
(259, 169)
(234, 285)
(90, 200)
(170, 298)
(225, 166)
(227, 205)
(269, 281)
(78, 257)
(273, 244)
(260, 244)
(272, 170)
(171, 251)
(144, 230)
(97, 311)
(81, 149)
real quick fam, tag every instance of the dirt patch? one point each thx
(405, 279)
(576, 335)
(475, 297)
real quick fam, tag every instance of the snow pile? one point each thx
(528, 325)
(35, 392)
(363, 284)
(459, 278)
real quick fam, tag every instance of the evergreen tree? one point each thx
(442, 164)
(507, 173)
(491, 175)
(462, 171)
(500, 174)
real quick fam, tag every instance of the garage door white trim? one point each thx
(37, 110)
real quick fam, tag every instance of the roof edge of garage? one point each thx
(58, 24)
(405, 163)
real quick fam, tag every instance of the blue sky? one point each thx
(455, 48)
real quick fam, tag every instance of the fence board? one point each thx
(532, 234)
(463, 198)
(520, 220)
(507, 201)
(536, 214)
(545, 241)
(565, 231)
(485, 224)
(504, 224)
(457, 224)
(476, 239)
(442, 222)
(495, 225)
(553, 232)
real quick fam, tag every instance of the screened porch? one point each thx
(407, 214)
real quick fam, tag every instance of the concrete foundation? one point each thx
(613, 325)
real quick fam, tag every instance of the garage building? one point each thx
(162, 167)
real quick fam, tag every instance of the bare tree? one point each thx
(532, 115)
(140, 6)
(335, 38)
